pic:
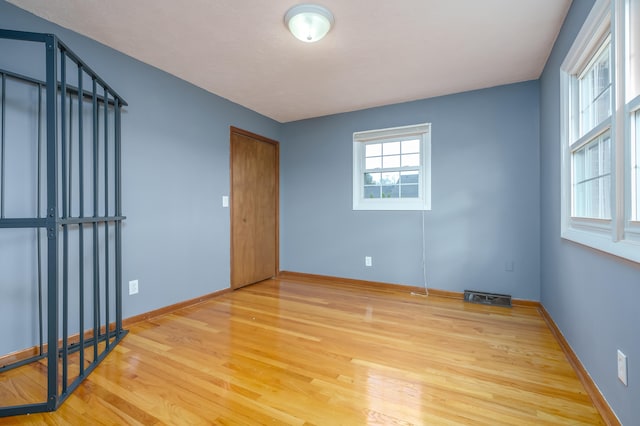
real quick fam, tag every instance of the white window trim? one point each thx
(632, 228)
(423, 202)
(618, 236)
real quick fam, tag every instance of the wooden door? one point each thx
(254, 208)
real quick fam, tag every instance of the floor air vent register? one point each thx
(483, 298)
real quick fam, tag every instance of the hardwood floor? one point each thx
(299, 353)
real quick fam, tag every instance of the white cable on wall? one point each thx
(424, 262)
(424, 258)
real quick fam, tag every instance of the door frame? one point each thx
(276, 144)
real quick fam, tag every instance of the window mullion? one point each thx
(618, 130)
(633, 174)
(393, 169)
(591, 135)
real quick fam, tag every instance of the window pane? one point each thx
(372, 178)
(411, 146)
(392, 161)
(593, 200)
(605, 153)
(373, 150)
(391, 148)
(371, 192)
(410, 160)
(390, 178)
(409, 177)
(391, 191)
(595, 90)
(409, 191)
(602, 107)
(578, 166)
(586, 95)
(373, 163)
(591, 190)
(602, 73)
(605, 197)
(593, 158)
(579, 201)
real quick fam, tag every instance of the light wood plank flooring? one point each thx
(295, 352)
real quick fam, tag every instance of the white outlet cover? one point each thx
(622, 367)
(367, 261)
(133, 287)
(225, 201)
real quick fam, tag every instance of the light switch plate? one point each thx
(622, 367)
(133, 287)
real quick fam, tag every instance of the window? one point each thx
(600, 88)
(591, 150)
(391, 168)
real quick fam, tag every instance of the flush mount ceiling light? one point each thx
(308, 22)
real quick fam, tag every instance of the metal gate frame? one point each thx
(105, 332)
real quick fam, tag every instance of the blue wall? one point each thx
(590, 295)
(485, 196)
(175, 161)
(495, 199)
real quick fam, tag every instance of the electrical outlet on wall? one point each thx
(368, 261)
(133, 287)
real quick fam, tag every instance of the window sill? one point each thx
(391, 204)
(626, 249)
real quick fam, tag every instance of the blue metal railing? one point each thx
(79, 274)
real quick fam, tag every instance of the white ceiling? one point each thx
(379, 52)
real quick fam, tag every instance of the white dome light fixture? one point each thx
(308, 22)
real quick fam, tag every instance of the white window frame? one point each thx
(633, 129)
(618, 235)
(630, 105)
(360, 139)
